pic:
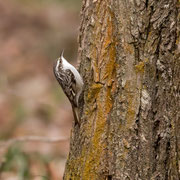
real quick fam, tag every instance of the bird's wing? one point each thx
(71, 83)
(68, 83)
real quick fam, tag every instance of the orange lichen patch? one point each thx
(93, 92)
(108, 40)
(108, 53)
(110, 66)
(97, 40)
(108, 35)
(139, 68)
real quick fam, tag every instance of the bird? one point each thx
(70, 81)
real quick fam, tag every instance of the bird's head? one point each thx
(61, 58)
(58, 62)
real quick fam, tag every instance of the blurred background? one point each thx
(32, 34)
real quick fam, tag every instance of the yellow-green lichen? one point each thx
(139, 68)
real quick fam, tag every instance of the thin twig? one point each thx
(32, 139)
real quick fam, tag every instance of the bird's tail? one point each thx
(76, 115)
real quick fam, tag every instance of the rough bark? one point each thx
(130, 128)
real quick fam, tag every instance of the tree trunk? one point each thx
(130, 128)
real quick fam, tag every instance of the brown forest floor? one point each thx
(31, 102)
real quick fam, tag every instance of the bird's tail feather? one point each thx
(76, 115)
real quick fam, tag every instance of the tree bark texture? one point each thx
(130, 127)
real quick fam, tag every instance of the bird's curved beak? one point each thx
(62, 53)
